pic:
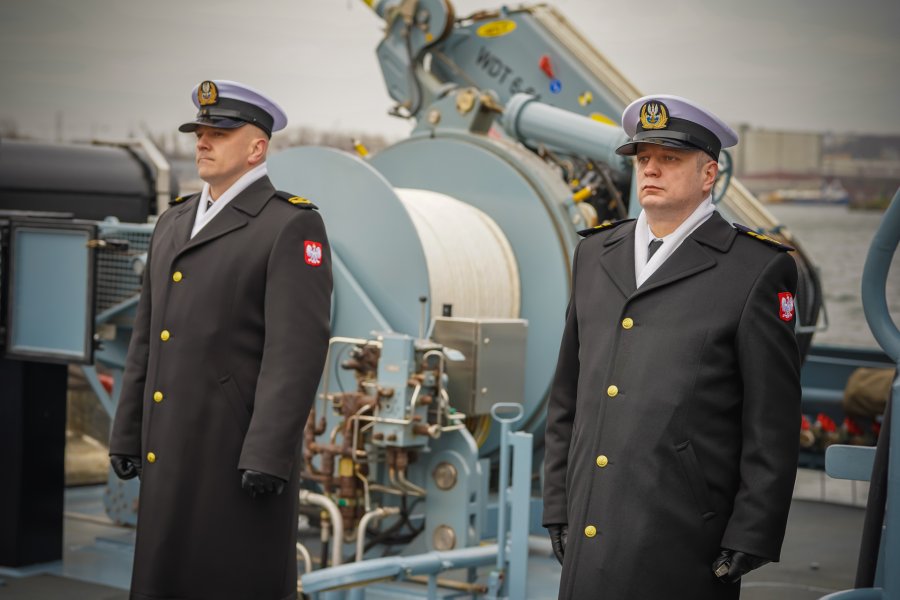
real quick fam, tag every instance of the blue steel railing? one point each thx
(856, 463)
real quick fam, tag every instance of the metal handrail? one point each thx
(874, 297)
(874, 292)
(874, 282)
(506, 421)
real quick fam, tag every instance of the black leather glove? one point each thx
(558, 536)
(731, 565)
(125, 467)
(261, 483)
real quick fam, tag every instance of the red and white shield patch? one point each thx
(312, 252)
(786, 306)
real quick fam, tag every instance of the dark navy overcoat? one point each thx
(673, 420)
(228, 347)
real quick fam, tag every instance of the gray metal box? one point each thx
(494, 366)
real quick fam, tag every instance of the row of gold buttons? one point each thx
(590, 531)
(164, 335)
(612, 391)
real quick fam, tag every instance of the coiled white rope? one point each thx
(471, 264)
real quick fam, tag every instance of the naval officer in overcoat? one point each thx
(228, 347)
(672, 424)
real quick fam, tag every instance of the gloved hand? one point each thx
(261, 483)
(125, 467)
(558, 536)
(731, 565)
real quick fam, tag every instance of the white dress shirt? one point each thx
(205, 216)
(644, 268)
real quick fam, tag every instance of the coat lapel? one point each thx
(617, 258)
(184, 222)
(691, 257)
(234, 216)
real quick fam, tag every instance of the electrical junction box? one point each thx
(493, 367)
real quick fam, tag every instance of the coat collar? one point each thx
(252, 200)
(617, 257)
(184, 221)
(247, 204)
(689, 259)
(715, 233)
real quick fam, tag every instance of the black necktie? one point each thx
(209, 204)
(654, 246)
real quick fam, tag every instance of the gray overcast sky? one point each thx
(112, 65)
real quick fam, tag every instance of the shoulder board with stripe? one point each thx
(298, 201)
(605, 226)
(762, 238)
(181, 199)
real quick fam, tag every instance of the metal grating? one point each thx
(116, 279)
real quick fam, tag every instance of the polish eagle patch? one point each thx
(786, 306)
(312, 252)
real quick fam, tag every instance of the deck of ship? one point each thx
(819, 555)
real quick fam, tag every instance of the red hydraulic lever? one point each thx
(546, 66)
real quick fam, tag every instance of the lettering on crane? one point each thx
(498, 70)
(493, 66)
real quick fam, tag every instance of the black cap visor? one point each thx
(631, 148)
(229, 113)
(217, 122)
(680, 133)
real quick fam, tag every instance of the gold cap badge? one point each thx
(207, 93)
(654, 115)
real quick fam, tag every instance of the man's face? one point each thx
(673, 180)
(223, 155)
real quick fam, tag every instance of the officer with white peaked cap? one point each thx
(671, 439)
(229, 343)
(228, 105)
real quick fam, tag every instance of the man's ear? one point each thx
(259, 145)
(710, 172)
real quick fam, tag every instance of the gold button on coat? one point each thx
(164, 335)
(157, 396)
(176, 276)
(612, 391)
(590, 531)
(151, 458)
(602, 461)
(627, 323)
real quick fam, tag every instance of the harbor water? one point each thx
(837, 240)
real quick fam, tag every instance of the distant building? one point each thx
(807, 166)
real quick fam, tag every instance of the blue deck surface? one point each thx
(819, 556)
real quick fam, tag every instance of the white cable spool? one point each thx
(471, 264)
